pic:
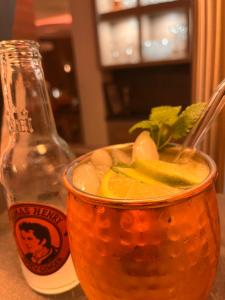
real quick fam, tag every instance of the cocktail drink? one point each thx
(143, 225)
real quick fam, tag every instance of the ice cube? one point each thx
(102, 161)
(120, 156)
(86, 179)
(144, 148)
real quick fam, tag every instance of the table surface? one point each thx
(14, 287)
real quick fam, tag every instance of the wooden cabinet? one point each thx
(143, 32)
(145, 54)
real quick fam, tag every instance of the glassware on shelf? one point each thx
(105, 6)
(157, 49)
(116, 5)
(129, 3)
(180, 31)
(164, 35)
(130, 52)
(115, 53)
(119, 41)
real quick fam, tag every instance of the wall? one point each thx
(89, 77)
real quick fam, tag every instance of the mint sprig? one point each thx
(168, 123)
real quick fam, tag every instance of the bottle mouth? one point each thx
(21, 48)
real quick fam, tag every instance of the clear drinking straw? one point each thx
(214, 107)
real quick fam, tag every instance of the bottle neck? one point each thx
(26, 99)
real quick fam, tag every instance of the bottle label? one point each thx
(41, 236)
(19, 121)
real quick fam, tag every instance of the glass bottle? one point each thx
(31, 170)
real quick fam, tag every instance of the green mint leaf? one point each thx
(187, 120)
(166, 123)
(152, 126)
(154, 132)
(166, 115)
(145, 124)
(164, 136)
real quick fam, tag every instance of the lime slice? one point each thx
(132, 185)
(135, 174)
(169, 173)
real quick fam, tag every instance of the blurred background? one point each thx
(108, 62)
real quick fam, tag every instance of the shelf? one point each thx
(125, 118)
(119, 13)
(140, 10)
(106, 6)
(141, 48)
(149, 64)
(146, 39)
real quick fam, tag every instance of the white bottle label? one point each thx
(42, 240)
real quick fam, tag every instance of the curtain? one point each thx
(209, 70)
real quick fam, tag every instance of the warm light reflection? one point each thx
(55, 20)
(41, 149)
(56, 93)
(14, 169)
(67, 68)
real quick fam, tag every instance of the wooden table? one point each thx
(14, 287)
